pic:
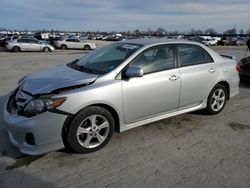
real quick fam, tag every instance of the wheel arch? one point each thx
(87, 46)
(64, 45)
(113, 112)
(227, 86)
(16, 46)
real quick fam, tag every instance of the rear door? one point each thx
(198, 74)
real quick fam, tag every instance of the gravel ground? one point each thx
(190, 150)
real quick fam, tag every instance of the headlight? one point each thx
(37, 106)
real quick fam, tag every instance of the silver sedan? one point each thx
(72, 43)
(117, 87)
(28, 44)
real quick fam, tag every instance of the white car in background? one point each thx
(28, 44)
(212, 41)
(74, 43)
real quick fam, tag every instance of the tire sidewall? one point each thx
(64, 47)
(71, 137)
(16, 49)
(86, 47)
(209, 108)
(46, 49)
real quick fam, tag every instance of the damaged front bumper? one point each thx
(35, 135)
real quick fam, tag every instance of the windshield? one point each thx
(107, 58)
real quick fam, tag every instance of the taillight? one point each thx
(238, 68)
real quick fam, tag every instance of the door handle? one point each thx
(212, 70)
(174, 77)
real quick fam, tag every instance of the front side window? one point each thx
(33, 41)
(107, 58)
(193, 55)
(21, 40)
(155, 59)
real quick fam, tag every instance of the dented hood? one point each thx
(55, 78)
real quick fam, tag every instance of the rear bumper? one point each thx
(46, 129)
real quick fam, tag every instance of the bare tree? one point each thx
(160, 31)
(198, 32)
(230, 31)
(210, 31)
(241, 31)
(248, 31)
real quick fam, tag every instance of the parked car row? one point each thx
(30, 43)
(220, 41)
(232, 41)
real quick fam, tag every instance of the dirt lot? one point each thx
(190, 150)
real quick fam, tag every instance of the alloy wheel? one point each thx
(218, 99)
(93, 131)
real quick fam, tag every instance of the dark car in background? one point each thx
(243, 67)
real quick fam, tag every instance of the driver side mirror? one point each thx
(134, 72)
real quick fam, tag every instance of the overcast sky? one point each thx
(123, 15)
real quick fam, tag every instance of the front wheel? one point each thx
(46, 49)
(16, 49)
(216, 99)
(90, 130)
(86, 47)
(64, 47)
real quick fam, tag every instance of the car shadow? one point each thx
(6, 148)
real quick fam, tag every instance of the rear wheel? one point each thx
(64, 47)
(216, 99)
(90, 130)
(16, 49)
(86, 47)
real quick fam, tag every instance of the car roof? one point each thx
(149, 42)
(153, 42)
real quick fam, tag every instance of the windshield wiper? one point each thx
(81, 68)
(85, 69)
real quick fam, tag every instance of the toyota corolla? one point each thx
(120, 86)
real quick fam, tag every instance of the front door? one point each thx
(34, 45)
(157, 92)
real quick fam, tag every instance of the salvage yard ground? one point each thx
(190, 150)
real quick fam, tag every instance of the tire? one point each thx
(216, 100)
(46, 49)
(16, 49)
(84, 136)
(64, 47)
(86, 47)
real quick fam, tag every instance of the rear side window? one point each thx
(193, 55)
